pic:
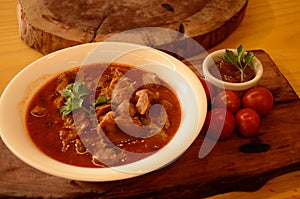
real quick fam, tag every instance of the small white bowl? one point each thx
(17, 94)
(213, 57)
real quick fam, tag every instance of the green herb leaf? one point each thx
(67, 108)
(247, 59)
(101, 100)
(240, 61)
(240, 51)
(73, 95)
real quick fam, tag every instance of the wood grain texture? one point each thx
(224, 167)
(47, 26)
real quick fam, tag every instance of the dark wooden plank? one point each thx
(274, 80)
(224, 169)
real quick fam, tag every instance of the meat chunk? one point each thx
(116, 87)
(102, 110)
(39, 111)
(134, 127)
(108, 123)
(64, 79)
(123, 89)
(126, 107)
(144, 98)
(107, 83)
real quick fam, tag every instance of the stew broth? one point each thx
(96, 133)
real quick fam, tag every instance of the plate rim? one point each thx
(93, 173)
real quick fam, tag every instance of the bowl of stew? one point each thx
(102, 111)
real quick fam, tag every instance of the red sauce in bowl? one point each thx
(56, 135)
(229, 73)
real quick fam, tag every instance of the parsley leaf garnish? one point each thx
(101, 100)
(73, 95)
(241, 61)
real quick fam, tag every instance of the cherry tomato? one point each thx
(219, 123)
(229, 100)
(247, 122)
(259, 99)
(209, 89)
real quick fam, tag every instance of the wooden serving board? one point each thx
(47, 25)
(224, 169)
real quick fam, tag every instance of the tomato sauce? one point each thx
(45, 122)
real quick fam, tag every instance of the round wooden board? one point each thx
(48, 26)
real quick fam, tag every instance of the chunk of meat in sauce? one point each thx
(39, 111)
(126, 107)
(123, 89)
(102, 110)
(64, 79)
(99, 138)
(144, 98)
(117, 85)
(108, 123)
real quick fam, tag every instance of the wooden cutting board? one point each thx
(224, 169)
(47, 25)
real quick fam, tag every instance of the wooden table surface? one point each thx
(271, 25)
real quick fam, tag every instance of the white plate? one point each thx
(19, 91)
